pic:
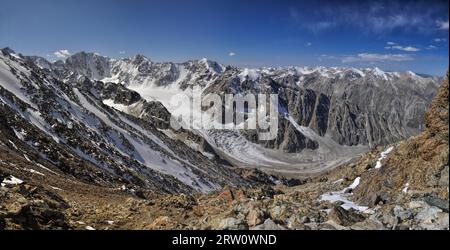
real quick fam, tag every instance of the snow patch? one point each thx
(343, 196)
(56, 188)
(338, 181)
(21, 135)
(379, 73)
(249, 74)
(14, 145)
(353, 185)
(34, 171)
(11, 180)
(405, 189)
(383, 156)
(49, 170)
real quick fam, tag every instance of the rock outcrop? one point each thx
(419, 164)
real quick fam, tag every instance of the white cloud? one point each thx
(373, 57)
(122, 52)
(391, 43)
(431, 47)
(308, 44)
(442, 25)
(326, 57)
(403, 48)
(378, 17)
(407, 48)
(438, 40)
(231, 54)
(62, 53)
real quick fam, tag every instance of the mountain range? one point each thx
(95, 130)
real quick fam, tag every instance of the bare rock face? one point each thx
(418, 165)
(91, 65)
(436, 119)
(288, 138)
(374, 108)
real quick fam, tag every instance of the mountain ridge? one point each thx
(288, 67)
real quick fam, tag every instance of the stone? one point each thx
(375, 199)
(161, 222)
(389, 220)
(255, 217)
(369, 224)
(277, 212)
(268, 225)
(305, 219)
(232, 224)
(417, 204)
(443, 181)
(401, 213)
(427, 213)
(437, 202)
(440, 221)
(229, 194)
(345, 217)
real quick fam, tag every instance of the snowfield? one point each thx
(343, 196)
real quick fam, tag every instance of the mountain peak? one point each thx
(213, 66)
(84, 54)
(7, 50)
(139, 58)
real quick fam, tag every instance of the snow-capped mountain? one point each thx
(344, 106)
(135, 71)
(327, 117)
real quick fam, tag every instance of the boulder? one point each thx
(402, 213)
(369, 224)
(427, 213)
(255, 217)
(439, 221)
(232, 224)
(268, 225)
(437, 202)
(443, 181)
(345, 217)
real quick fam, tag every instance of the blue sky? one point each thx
(391, 35)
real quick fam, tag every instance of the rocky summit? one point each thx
(86, 143)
